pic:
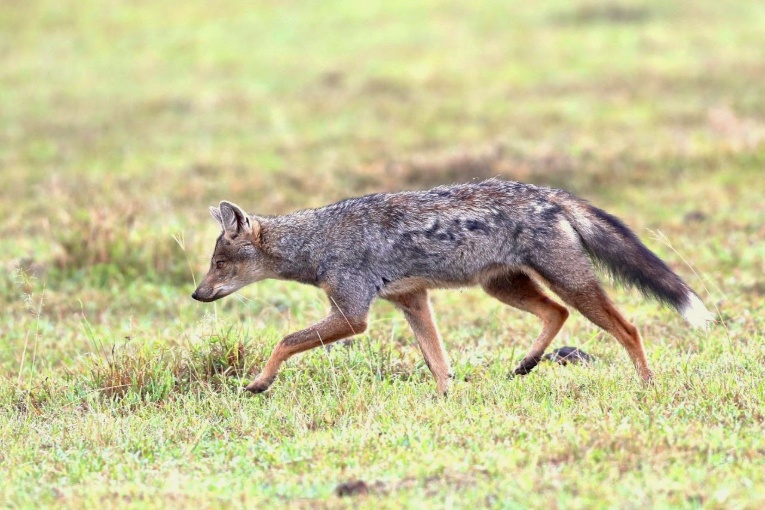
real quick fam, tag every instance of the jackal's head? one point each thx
(238, 259)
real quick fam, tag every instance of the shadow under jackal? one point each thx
(507, 237)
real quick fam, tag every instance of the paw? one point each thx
(647, 377)
(444, 385)
(521, 370)
(258, 385)
(526, 366)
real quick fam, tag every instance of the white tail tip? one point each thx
(696, 313)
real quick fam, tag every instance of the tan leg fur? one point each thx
(416, 308)
(594, 304)
(520, 291)
(334, 327)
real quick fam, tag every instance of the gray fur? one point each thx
(380, 245)
(503, 236)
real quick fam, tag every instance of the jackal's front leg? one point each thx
(416, 308)
(334, 327)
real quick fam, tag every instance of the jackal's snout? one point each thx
(200, 296)
(205, 297)
(205, 293)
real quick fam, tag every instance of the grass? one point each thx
(119, 127)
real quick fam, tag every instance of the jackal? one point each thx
(508, 237)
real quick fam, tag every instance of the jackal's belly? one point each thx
(408, 285)
(415, 283)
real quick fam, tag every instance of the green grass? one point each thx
(121, 123)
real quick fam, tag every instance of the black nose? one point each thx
(194, 295)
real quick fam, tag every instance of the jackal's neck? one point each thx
(288, 239)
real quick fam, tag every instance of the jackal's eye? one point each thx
(220, 264)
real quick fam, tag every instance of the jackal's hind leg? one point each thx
(416, 308)
(591, 300)
(520, 291)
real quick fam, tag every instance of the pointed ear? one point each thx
(236, 222)
(215, 213)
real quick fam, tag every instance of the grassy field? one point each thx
(121, 122)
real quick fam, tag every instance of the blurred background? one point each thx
(122, 121)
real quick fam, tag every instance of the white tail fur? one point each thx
(696, 313)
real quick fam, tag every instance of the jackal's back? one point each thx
(448, 235)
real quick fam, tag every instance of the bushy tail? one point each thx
(612, 245)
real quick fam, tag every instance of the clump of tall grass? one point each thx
(150, 373)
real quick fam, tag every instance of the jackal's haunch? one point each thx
(507, 237)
